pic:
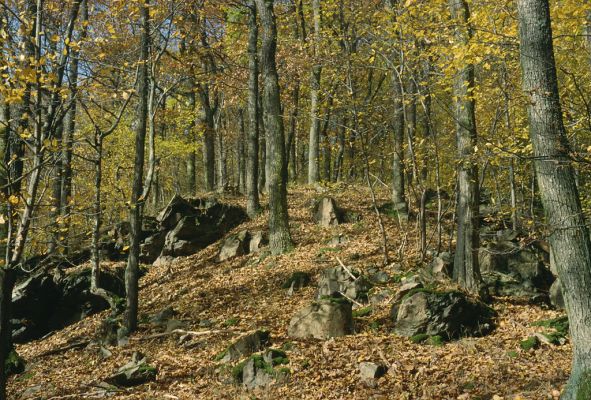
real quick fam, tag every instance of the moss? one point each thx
(147, 368)
(426, 290)
(231, 321)
(436, 341)
(584, 389)
(287, 346)
(419, 338)
(559, 324)
(220, 355)
(14, 364)
(329, 250)
(530, 343)
(362, 312)
(374, 326)
(237, 371)
(336, 300)
(513, 354)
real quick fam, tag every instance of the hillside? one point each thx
(245, 293)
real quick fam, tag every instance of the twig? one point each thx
(346, 269)
(183, 332)
(63, 349)
(350, 299)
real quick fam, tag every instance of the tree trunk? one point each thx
(338, 161)
(313, 149)
(279, 236)
(291, 137)
(466, 268)
(240, 157)
(569, 235)
(136, 202)
(252, 162)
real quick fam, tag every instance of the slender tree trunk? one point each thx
(313, 148)
(466, 268)
(136, 202)
(252, 162)
(338, 161)
(279, 236)
(569, 234)
(191, 161)
(240, 156)
(293, 123)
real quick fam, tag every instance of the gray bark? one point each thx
(279, 236)
(569, 236)
(252, 161)
(313, 148)
(466, 268)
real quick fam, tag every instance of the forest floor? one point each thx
(246, 293)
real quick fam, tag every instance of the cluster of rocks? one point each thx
(242, 243)
(51, 299)
(187, 226)
(259, 365)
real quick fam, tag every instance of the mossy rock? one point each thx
(14, 364)
(559, 324)
(435, 340)
(362, 312)
(531, 342)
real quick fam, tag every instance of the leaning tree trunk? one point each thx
(313, 149)
(252, 161)
(569, 235)
(279, 236)
(466, 268)
(135, 213)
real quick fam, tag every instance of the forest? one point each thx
(295, 199)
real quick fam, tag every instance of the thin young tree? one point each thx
(568, 232)
(466, 268)
(252, 159)
(314, 145)
(136, 201)
(279, 235)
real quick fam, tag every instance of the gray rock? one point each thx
(246, 345)
(234, 246)
(380, 296)
(449, 315)
(338, 240)
(151, 248)
(258, 240)
(336, 281)
(556, 298)
(407, 287)
(162, 317)
(442, 266)
(135, 372)
(379, 278)
(175, 324)
(326, 213)
(297, 280)
(370, 371)
(163, 260)
(177, 209)
(253, 377)
(322, 320)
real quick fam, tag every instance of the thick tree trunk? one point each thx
(569, 235)
(279, 236)
(314, 144)
(466, 268)
(252, 161)
(136, 201)
(191, 162)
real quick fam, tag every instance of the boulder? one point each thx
(258, 240)
(151, 248)
(135, 372)
(381, 296)
(337, 281)
(323, 319)
(245, 346)
(442, 265)
(297, 280)
(326, 213)
(234, 246)
(51, 300)
(171, 215)
(407, 287)
(556, 298)
(368, 371)
(446, 314)
(261, 370)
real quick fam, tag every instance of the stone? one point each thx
(246, 345)
(379, 278)
(254, 376)
(442, 265)
(135, 372)
(381, 296)
(556, 298)
(323, 319)
(175, 324)
(162, 317)
(14, 364)
(338, 240)
(326, 213)
(176, 209)
(52, 299)
(260, 370)
(407, 287)
(334, 282)
(163, 260)
(448, 314)
(370, 371)
(151, 248)
(234, 246)
(258, 240)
